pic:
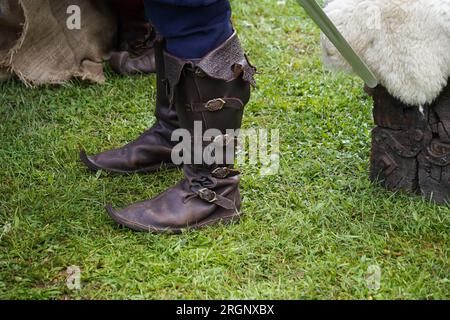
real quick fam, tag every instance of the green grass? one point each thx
(310, 232)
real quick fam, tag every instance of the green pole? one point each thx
(329, 29)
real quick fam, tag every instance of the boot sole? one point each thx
(220, 216)
(151, 169)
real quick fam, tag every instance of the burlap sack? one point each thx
(37, 45)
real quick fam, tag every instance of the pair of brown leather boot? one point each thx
(209, 93)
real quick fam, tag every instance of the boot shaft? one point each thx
(209, 95)
(164, 112)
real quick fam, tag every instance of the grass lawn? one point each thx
(311, 231)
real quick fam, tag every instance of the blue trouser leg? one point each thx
(192, 28)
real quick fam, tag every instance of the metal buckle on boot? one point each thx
(224, 172)
(220, 172)
(215, 104)
(207, 195)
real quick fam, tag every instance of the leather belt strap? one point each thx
(211, 196)
(221, 140)
(216, 105)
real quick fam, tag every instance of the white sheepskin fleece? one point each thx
(406, 43)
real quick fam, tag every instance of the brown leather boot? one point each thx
(135, 53)
(411, 146)
(210, 92)
(434, 161)
(401, 134)
(152, 150)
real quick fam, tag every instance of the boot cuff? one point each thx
(227, 63)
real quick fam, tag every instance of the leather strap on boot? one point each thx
(211, 196)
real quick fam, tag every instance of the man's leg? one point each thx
(192, 28)
(209, 79)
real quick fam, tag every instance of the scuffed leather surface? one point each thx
(229, 54)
